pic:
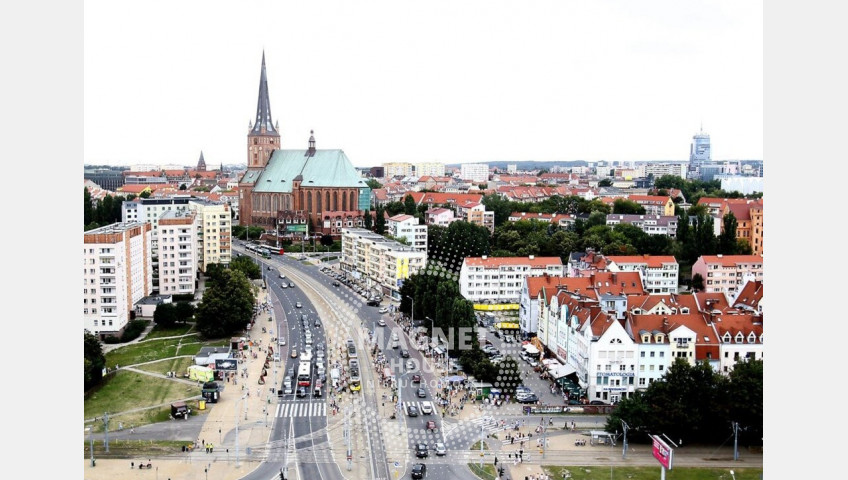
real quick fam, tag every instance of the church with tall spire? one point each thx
(281, 184)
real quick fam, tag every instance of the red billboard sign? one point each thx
(662, 452)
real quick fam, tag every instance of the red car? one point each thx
(431, 425)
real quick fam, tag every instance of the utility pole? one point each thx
(735, 426)
(237, 430)
(625, 426)
(91, 443)
(348, 439)
(106, 431)
(481, 445)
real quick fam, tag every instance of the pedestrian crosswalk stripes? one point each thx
(302, 409)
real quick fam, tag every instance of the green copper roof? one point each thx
(326, 168)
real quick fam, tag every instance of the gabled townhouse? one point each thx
(332, 222)
(741, 338)
(750, 298)
(659, 272)
(728, 273)
(611, 361)
(500, 279)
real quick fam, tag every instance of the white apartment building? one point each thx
(440, 216)
(379, 261)
(476, 213)
(650, 224)
(150, 210)
(214, 232)
(406, 227)
(177, 252)
(659, 272)
(432, 169)
(728, 273)
(397, 169)
(116, 274)
(660, 169)
(475, 172)
(500, 279)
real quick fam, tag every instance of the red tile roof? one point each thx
(731, 260)
(494, 262)
(649, 199)
(653, 261)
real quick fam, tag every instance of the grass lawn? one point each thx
(178, 364)
(651, 473)
(133, 448)
(157, 349)
(127, 390)
(487, 472)
(159, 332)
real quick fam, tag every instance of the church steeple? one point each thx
(311, 151)
(263, 106)
(201, 164)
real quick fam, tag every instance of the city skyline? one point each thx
(385, 83)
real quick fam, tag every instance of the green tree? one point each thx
(380, 220)
(746, 400)
(606, 182)
(368, 220)
(698, 282)
(87, 212)
(227, 305)
(499, 205)
(185, 311)
(93, 360)
(326, 240)
(373, 184)
(165, 315)
(459, 240)
(144, 194)
(394, 208)
(627, 207)
(409, 205)
(727, 238)
(743, 247)
(247, 266)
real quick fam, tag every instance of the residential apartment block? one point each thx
(500, 279)
(431, 169)
(117, 273)
(397, 169)
(475, 172)
(650, 224)
(728, 273)
(442, 217)
(659, 272)
(379, 261)
(654, 204)
(177, 252)
(407, 227)
(214, 234)
(475, 212)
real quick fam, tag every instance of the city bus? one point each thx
(259, 250)
(303, 374)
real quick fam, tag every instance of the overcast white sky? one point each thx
(443, 81)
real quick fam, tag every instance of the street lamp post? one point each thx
(237, 429)
(412, 310)
(91, 444)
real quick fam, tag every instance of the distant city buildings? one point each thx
(475, 172)
(432, 169)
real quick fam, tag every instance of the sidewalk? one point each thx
(219, 427)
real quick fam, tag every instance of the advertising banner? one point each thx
(662, 452)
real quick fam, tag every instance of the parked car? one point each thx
(294, 353)
(410, 365)
(282, 276)
(597, 402)
(282, 341)
(532, 398)
(372, 303)
(404, 353)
